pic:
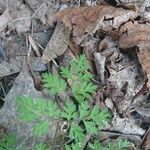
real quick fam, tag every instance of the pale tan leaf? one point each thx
(57, 44)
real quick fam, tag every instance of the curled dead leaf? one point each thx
(134, 34)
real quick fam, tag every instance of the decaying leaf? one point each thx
(145, 11)
(4, 19)
(23, 25)
(2, 51)
(11, 67)
(134, 138)
(15, 65)
(100, 65)
(86, 21)
(126, 88)
(107, 43)
(134, 34)
(144, 58)
(130, 2)
(126, 126)
(146, 140)
(57, 44)
(41, 12)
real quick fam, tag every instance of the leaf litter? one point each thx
(114, 37)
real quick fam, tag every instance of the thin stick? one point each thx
(3, 88)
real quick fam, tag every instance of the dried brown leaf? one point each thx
(134, 34)
(85, 21)
(144, 58)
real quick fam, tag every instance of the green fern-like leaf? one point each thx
(81, 119)
(53, 110)
(68, 147)
(77, 71)
(31, 109)
(100, 117)
(123, 144)
(27, 110)
(72, 147)
(69, 111)
(76, 133)
(84, 77)
(66, 73)
(8, 142)
(82, 90)
(53, 84)
(41, 146)
(40, 128)
(91, 127)
(80, 64)
(96, 145)
(83, 109)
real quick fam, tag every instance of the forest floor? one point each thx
(38, 36)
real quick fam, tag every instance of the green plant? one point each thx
(8, 142)
(83, 119)
(119, 145)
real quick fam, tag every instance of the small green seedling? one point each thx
(83, 118)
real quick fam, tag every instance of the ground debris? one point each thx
(113, 36)
(86, 21)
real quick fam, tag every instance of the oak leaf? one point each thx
(84, 21)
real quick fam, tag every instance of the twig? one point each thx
(3, 88)
(34, 46)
